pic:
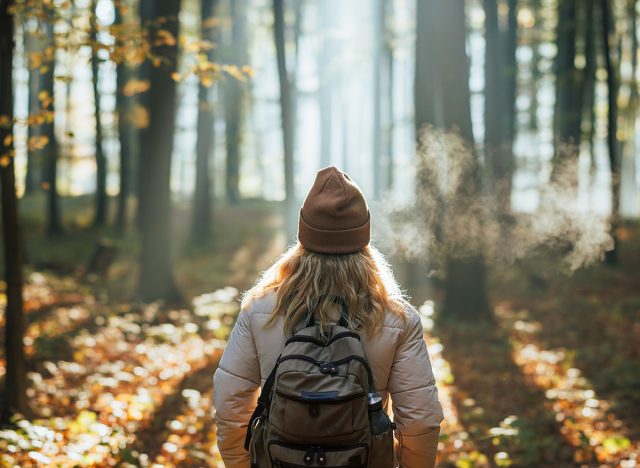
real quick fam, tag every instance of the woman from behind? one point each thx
(333, 258)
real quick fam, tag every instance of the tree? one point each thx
(34, 51)
(100, 215)
(126, 130)
(15, 398)
(568, 108)
(286, 109)
(201, 219)
(156, 269)
(442, 100)
(234, 95)
(611, 256)
(500, 74)
(326, 66)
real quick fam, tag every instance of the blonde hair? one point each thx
(299, 277)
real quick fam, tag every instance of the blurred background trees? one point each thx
(152, 151)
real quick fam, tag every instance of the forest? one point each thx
(154, 156)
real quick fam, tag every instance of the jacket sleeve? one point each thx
(414, 397)
(236, 383)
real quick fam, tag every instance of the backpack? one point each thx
(318, 407)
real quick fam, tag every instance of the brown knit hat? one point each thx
(334, 218)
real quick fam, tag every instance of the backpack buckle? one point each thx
(328, 368)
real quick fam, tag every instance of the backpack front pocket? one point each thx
(313, 416)
(285, 455)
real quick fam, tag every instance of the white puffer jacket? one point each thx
(398, 358)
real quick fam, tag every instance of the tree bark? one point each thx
(567, 109)
(234, 102)
(146, 12)
(325, 72)
(201, 218)
(156, 269)
(100, 216)
(33, 44)
(286, 108)
(611, 256)
(378, 39)
(50, 151)
(442, 99)
(15, 396)
(126, 134)
(388, 54)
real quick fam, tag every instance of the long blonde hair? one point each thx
(300, 277)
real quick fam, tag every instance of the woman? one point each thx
(333, 258)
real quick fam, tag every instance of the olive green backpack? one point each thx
(318, 407)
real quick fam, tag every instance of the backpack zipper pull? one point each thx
(322, 456)
(308, 456)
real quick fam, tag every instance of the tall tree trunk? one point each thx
(495, 105)
(378, 51)
(33, 45)
(201, 219)
(50, 151)
(100, 215)
(535, 65)
(146, 11)
(234, 101)
(500, 89)
(511, 77)
(588, 86)
(567, 111)
(15, 395)
(388, 54)
(286, 109)
(442, 77)
(325, 71)
(608, 36)
(126, 132)
(156, 269)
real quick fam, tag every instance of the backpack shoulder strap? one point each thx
(263, 403)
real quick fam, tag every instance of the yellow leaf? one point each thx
(8, 140)
(164, 37)
(4, 160)
(175, 76)
(134, 86)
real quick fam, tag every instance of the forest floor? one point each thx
(554, 381)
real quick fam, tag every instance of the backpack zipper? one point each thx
(338, 399)
(336, 363)
(311, 339)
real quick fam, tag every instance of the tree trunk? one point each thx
(378, 39)
(100, 216)
(535, 66)
(146, 12)
(286, 109)
(326, 71)
(201, 219)
(567, 111)
(156, 269)
(588, 86)
(234, 101)
(32, 45)
(15, 396)
(126, 134)
(442, 99)
(388, 53)
(510, 69)
(611, 256)
(50, 151)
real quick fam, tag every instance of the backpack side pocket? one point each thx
(381, 454)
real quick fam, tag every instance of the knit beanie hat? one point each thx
(334, 218)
